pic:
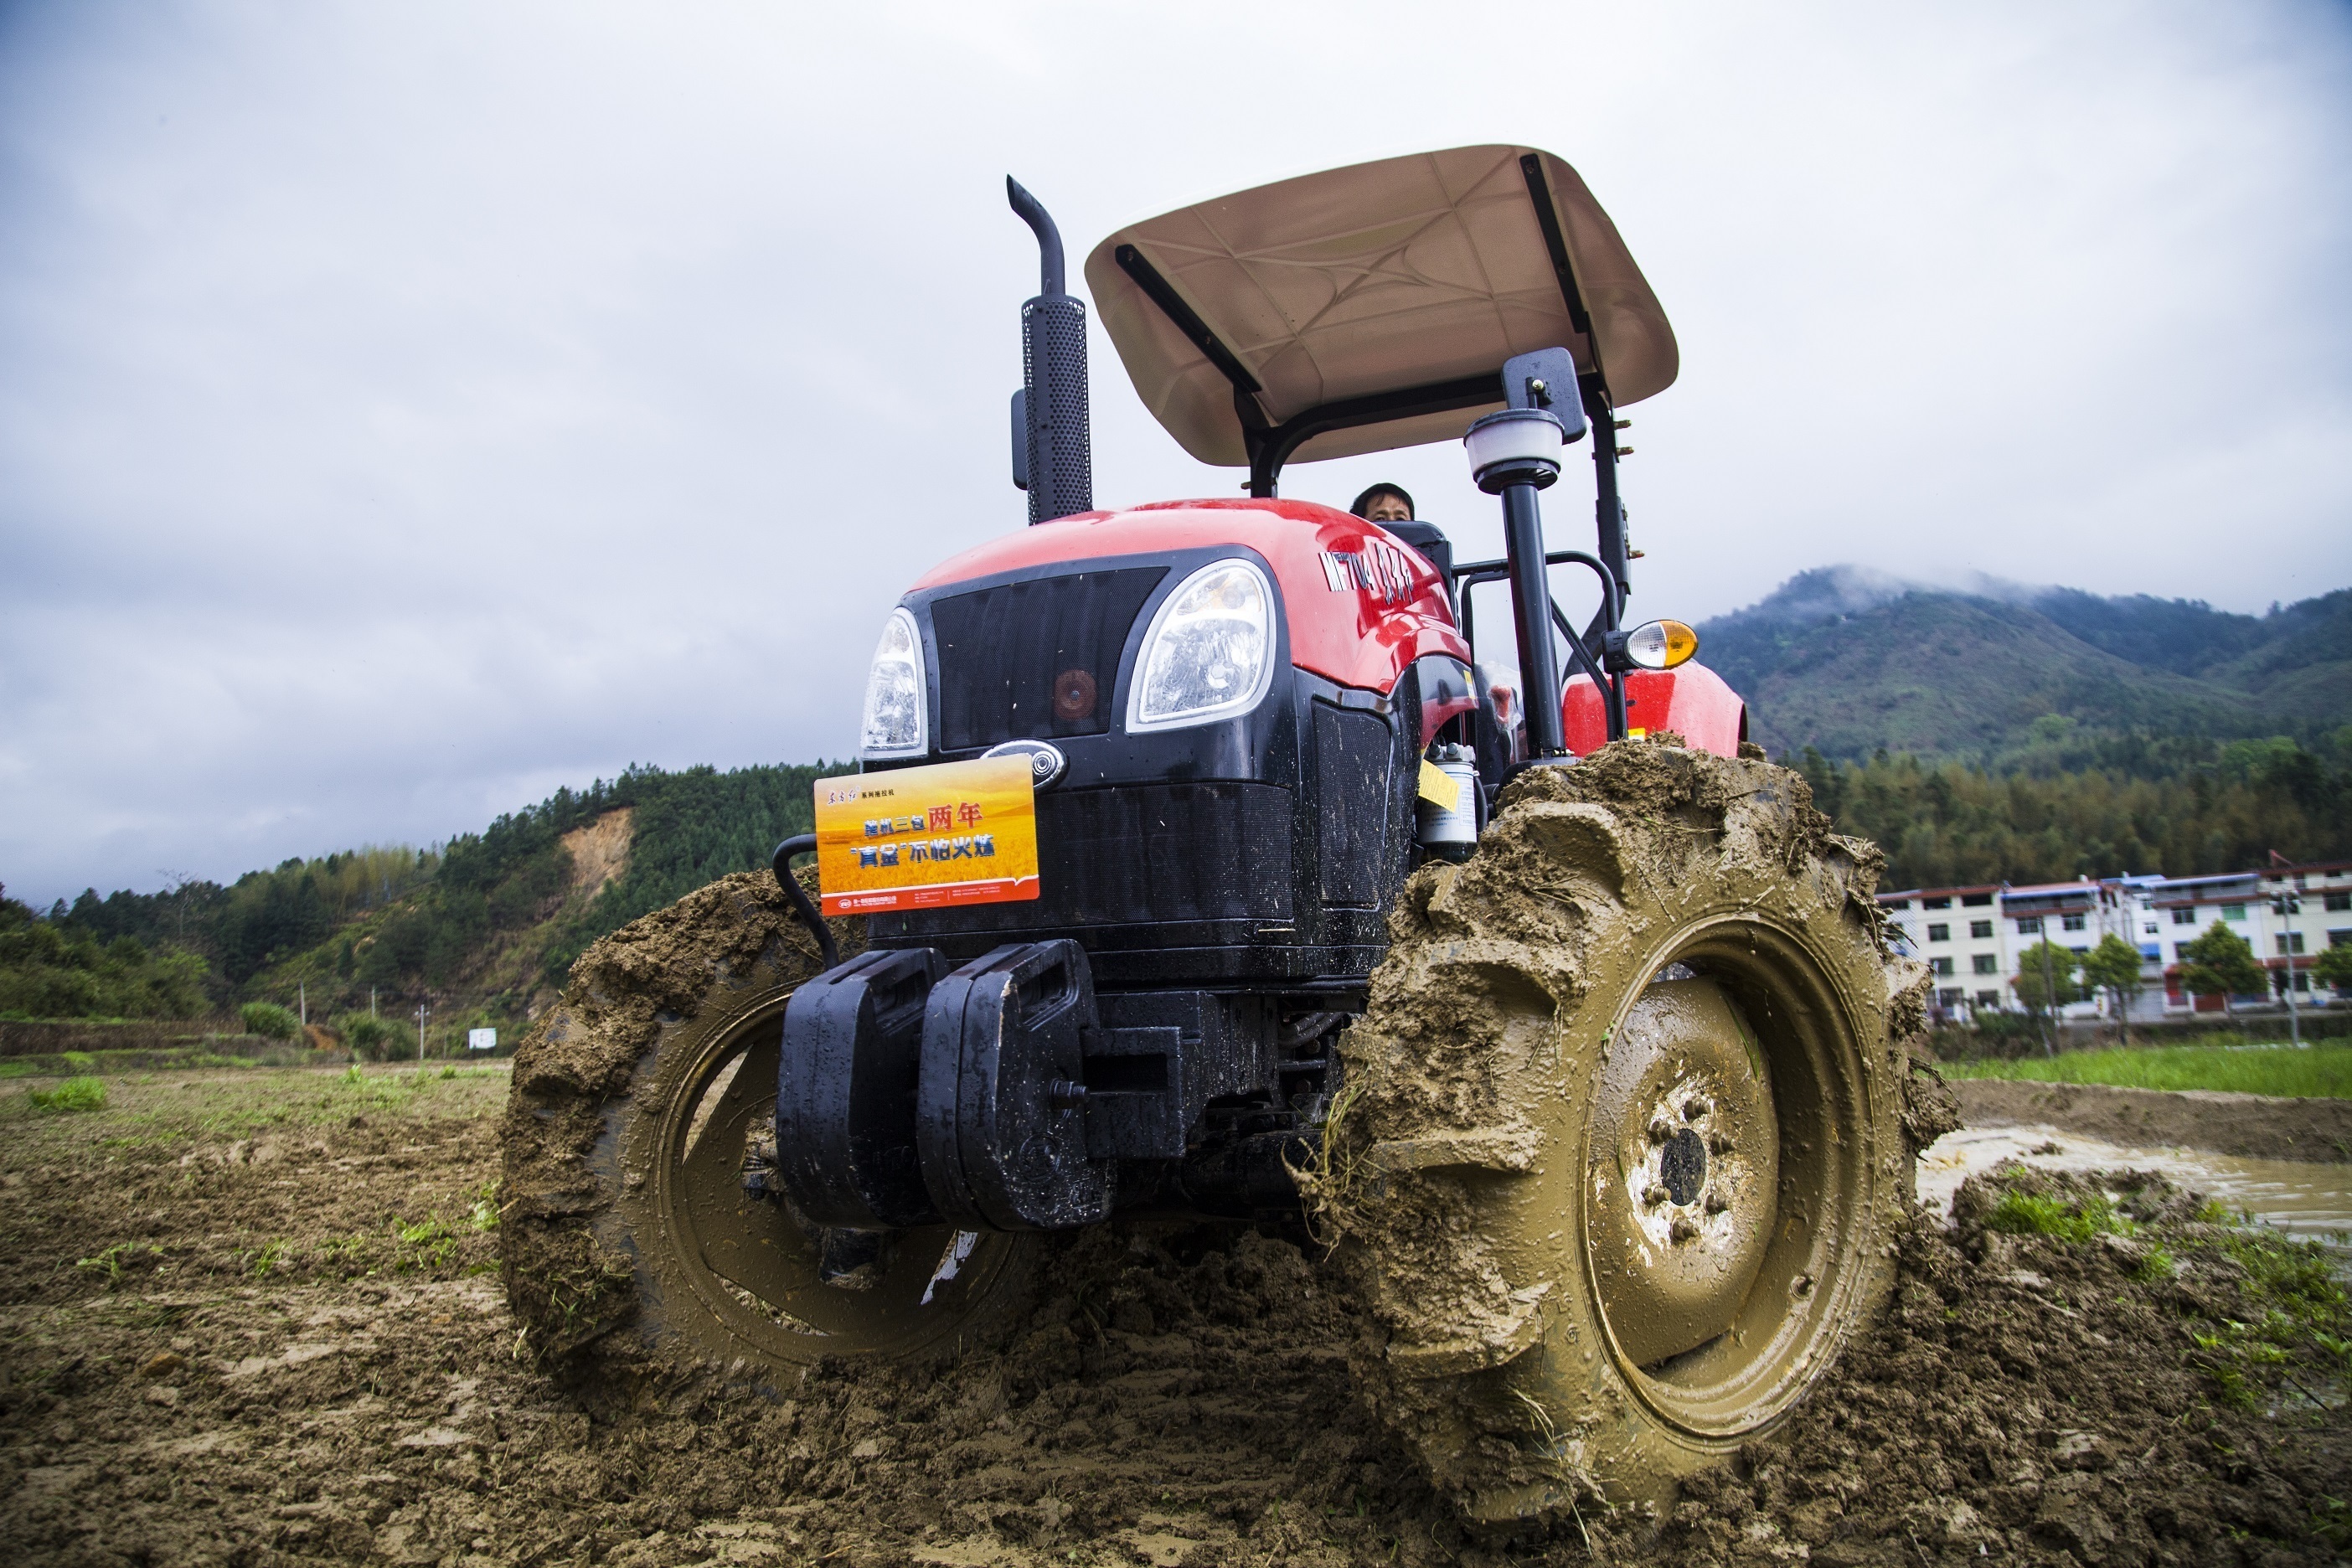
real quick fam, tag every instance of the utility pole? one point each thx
(2049, 997)
(302, 995)
(424, 1011)
(2282, 905)
(371, 1001)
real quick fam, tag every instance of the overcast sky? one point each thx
(407, 408)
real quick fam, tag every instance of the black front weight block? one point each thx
(1000, 1118)
(845, 1092)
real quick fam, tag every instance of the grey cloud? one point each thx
(403, 410)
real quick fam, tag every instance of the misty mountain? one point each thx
(1851, 661)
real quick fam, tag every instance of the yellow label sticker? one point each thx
(1438, 787)
(927, 838)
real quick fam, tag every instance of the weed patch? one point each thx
(2296, 1321)
(2037, 1214)
(74, 1094)
(261, 1261)
(123, 1257)
(432, 1245)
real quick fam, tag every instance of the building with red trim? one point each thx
(1974, 937)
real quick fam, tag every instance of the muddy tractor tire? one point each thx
(1623, 1155)
(633, 1255)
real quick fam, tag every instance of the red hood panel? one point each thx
(1362, 605)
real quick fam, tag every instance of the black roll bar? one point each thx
(1469, 577)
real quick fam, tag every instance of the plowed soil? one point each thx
(252, 1318)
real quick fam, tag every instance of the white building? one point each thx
(1973, 937)
(2248, 905)
(1962, 934)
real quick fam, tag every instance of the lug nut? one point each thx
(1694, 1109)
(1656, 1195)
(1682, 1230)
(1660, 1131)
(1721, 1143)
(1716, 1202)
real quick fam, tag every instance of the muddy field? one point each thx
(2316, 1131)
(253, 1318)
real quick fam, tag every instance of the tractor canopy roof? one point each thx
(1371, 307)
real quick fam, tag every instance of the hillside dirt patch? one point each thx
(600, 850)
(2255, 1126)
(250, 1318)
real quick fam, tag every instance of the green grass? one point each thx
(74, 1094)
(2321, 1073)
(2031, 1214)
(2293, 1324)
(145, 1115)
(2304, 1314)
(127, 1061)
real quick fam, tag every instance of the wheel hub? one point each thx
(1685, 1170)
(784, 1286)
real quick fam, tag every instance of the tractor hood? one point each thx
(1367, 308)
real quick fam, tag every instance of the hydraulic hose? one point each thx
(801, 844)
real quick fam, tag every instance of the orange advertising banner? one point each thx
(927, 838)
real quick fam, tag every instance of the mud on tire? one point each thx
(1624, 1150)
(630, 1254)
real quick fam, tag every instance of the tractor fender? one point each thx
(1692, 701)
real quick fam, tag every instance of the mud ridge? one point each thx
(2254, 1126)
(289, 1348)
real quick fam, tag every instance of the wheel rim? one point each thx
(751, 1264)
(1688, 1169)
(1724, 1328)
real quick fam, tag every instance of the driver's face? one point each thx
(1388, 508)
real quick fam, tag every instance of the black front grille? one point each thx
(1140, 854)
(1036, 659)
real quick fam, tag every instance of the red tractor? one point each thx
(1204, 863)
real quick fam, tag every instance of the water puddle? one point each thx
(2310, 1201)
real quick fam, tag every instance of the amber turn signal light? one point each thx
(1661, 644)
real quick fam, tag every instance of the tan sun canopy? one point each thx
(1359, 285)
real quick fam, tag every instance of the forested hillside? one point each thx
(481, 928)
(1851, 665)
(2032, 734)
(1953, 823)
(54, 969)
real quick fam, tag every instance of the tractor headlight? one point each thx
(1660, 645)
(895, 698)
(1210, 652)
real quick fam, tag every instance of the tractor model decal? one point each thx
(1378, 568)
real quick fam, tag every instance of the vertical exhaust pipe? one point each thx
(1053, 456)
